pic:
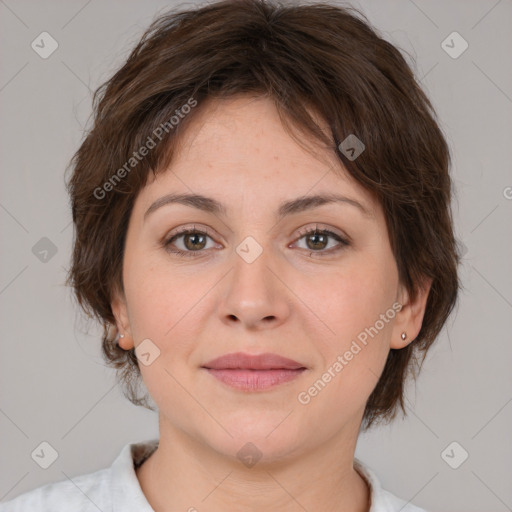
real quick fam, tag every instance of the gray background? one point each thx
(54, 386)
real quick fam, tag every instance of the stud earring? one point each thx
(117, 340)
(404, 336)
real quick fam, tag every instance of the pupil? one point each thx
(194, 242)
(316, 235)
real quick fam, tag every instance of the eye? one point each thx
(317, 240)
(194, 241)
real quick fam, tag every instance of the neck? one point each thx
(184, 474)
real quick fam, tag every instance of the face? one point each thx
(314, 282)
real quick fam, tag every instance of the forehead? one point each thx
(242, 128)
(239, 146)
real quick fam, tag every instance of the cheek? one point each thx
(157, 298)
(352, 299)
(361, 314)
(354, 353)
(166, 308)
(159, 313)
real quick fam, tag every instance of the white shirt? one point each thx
(117, 489)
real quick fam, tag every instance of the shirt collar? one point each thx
(127, 494)
(376, 491)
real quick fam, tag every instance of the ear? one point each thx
(120, 311)
(410, 318)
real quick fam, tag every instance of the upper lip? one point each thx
(239, 360)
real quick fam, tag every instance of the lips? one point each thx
(239, 360)
(253, 372)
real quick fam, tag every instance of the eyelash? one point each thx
(167, 243)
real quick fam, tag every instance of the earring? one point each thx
(117, 340)
(404, 335)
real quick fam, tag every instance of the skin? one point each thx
(292, 301)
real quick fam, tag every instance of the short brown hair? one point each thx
(319, 56)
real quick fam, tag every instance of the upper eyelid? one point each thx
(208, 231)
(185, 230)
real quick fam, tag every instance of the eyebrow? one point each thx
(294, 206)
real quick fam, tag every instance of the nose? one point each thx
(254, 294)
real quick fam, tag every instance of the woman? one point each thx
(263, 228)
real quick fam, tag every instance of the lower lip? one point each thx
(254, 380)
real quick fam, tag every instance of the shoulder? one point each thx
(381, 499)
(83, 493)
(111, 488)
(388, 502)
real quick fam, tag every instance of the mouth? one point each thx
(254, 372)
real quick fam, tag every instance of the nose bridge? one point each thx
(251, 276)
(254, 293)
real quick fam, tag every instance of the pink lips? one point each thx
(253, 373)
